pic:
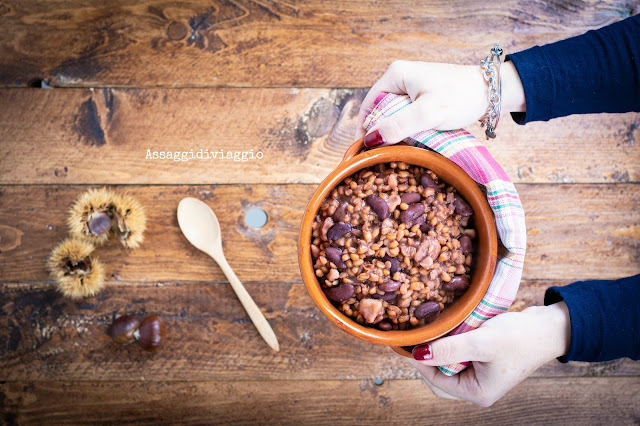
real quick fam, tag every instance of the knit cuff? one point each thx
(538, 82)
(605, 318)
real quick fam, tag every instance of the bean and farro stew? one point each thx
(392, 246)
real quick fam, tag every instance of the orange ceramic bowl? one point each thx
(485, 256)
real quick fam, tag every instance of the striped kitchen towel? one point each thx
(464, 149)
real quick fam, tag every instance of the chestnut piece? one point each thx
(123, 328)
(99, 223)
(150, 333)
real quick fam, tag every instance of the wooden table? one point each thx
(284, 79)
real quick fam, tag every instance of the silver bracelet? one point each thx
(491, 118)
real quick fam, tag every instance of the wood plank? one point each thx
(209, 337)
(269, 43)
(571, 229)
(547, 401)
(104, 136)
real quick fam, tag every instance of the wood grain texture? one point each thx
(103, 136)
(285, 79)
(269, 43)
(209, 336)
(534, 401)
(571, 230)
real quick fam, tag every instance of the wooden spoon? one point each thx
(200, 225)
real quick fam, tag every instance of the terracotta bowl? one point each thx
(485, 255)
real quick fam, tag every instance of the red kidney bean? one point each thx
(389, 286)
(465, 244)
(387, 297)
(457, 283)
(410, 197)
(384, 325)
(419, 221)
(422, 223)
(461, 206)
(395, 263)
(335, 256)
(326, 225)
(341, 293)
(427, 182)
(426, 227)
(412, 212)
(338, 230)
(428, 310)
(338, 215)
(379, 206)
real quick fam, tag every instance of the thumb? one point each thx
(415, 117)
(471, 346)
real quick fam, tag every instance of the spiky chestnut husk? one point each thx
(91, 216)
(78, 275)
(129, 219)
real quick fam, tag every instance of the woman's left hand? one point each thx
(504, 351)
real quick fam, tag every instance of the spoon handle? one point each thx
(250, 306)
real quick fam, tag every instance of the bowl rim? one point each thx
(485, 229)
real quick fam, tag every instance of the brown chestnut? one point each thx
(123, 328)
(150, 333)
(99, 223)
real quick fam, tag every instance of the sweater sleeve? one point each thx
(598, 71)
(605, 318)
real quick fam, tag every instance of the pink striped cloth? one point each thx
(464, 149)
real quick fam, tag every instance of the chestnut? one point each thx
(123, 328)
(150, 333)
(99, 223)
(77, 273)
(91, 216)
(99, 213)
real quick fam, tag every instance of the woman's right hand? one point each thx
(444, 97)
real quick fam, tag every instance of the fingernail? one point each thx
(373, 139)
(422, 353)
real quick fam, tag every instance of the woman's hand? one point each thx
(505, 350)
(444, 97)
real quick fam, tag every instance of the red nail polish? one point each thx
(422, 353)
(373, 139)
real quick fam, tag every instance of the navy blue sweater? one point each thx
(596, 72)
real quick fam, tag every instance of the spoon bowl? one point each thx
(200, 226)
